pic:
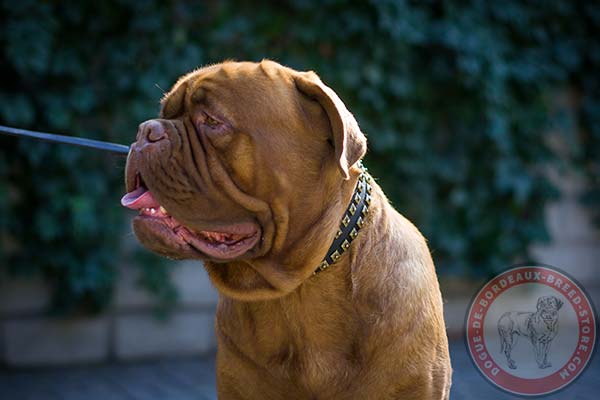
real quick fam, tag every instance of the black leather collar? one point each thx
(352, 222)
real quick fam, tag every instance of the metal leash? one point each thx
(54, 138)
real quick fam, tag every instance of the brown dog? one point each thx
(250, 168)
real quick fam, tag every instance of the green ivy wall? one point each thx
(457, 99)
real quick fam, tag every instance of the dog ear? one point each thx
(349, 142)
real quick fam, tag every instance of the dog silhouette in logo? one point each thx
(539, 327)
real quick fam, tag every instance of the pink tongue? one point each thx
(139, 198)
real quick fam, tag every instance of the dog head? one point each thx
(548, 306)
(239, 169)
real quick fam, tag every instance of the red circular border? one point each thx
(486, 364)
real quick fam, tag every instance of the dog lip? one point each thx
(131, 171)
(199, 241)
(223, 251)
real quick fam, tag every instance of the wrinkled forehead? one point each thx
(242, 84)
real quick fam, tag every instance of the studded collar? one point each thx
(352, 222)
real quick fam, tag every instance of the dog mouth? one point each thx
(225, 243)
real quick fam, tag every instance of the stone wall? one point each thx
(128, 331)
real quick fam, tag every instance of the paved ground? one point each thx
(187, 379)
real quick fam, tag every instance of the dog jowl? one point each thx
(325, 291)
(539, 327)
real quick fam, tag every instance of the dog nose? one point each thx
(151, 131)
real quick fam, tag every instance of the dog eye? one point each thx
(210, 121)
(211, 126)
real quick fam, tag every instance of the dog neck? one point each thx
(352, 221)
(313, 316)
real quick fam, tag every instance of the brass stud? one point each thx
(368, 200)
(360, 222)
(356, 198)
(346, 220)
(352, 209)
(359, 188)
(324, 264)
(338, 234)
(335, 256)
(364, 211)
(353, 233)
(369, 188)
(345, 245)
